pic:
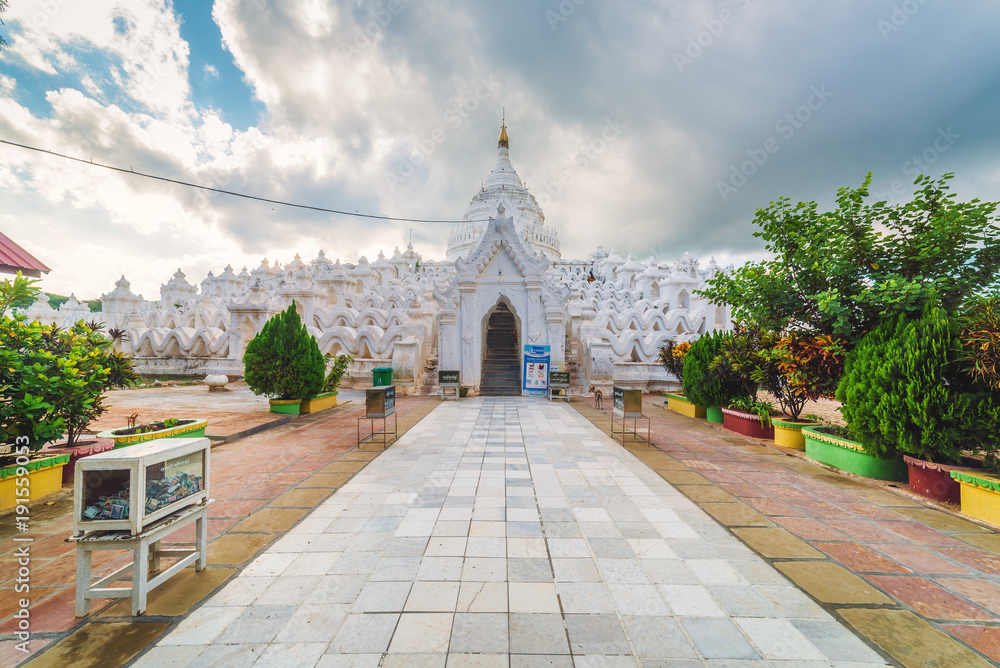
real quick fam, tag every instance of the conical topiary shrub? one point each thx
(284, 360)
(904, 393)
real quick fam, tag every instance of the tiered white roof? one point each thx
(504, 186)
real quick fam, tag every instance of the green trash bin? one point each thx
(381, 376)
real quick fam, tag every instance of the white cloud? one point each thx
(211, 72)
(352, 90)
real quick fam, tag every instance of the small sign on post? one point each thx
(558, 385)
(450, 380)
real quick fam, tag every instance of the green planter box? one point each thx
(851, 457)
(286, 406)
(194, 429)
(714, 414)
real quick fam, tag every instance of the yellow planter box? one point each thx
(679, 404)
(789, 434)
(44, 478)
(980, 496)
(319, 403)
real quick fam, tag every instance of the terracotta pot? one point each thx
(747, 424)
(77, 452)
(934, 480)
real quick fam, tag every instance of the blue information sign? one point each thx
(535, 370)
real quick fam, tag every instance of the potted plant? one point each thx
(328, 397)
(702, 386)
(284, 362)
(810, 367)
(671, 357)
(980, 340)
(743, 359)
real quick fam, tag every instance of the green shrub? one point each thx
(904, 392)
(284, 360)
(744, 359)
(52, 379)
(701, 385)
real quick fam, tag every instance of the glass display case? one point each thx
(131, 487)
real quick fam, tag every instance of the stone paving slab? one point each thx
(262, 485)
(844, 540)
(509, 532)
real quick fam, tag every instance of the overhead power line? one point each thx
(221, 191)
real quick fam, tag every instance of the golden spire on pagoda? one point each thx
(503, 143)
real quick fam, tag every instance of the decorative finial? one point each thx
(503, 143)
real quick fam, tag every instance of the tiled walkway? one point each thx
(262, 486)
(509, 532)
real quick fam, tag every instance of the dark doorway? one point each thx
(501, 363)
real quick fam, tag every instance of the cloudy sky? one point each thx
(653, 126)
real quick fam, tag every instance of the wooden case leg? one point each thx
(154, 557)
(83, 580)
(140, 577)
(201, 541)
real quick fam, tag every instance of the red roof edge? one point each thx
(14, 258)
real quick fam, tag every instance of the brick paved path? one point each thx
(922, 584)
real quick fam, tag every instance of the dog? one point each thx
(598, 398)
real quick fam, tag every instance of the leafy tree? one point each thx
(701, 385)
(809, 367)
(52, 379)
(842, 272)
(284, 360)
(18, 292)
(904, 391)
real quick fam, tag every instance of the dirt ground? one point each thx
(827, 409)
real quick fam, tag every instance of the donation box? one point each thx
(627, 402)
(380, 402)
(131, 487)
